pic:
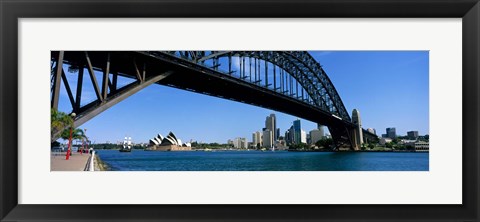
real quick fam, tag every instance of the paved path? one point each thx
(76, 162)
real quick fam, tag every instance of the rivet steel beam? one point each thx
(93, 78)
(58, 76)
(266, 74)
(67, 88)
(105, 77)
(89, 114)
(78, 95)
(114, 82)
(137, 72)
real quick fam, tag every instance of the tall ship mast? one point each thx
(127, 145)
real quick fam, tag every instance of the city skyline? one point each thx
(397, 99)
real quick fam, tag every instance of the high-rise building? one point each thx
(289, 136)
(322, 129)
(413, 135)
(315, 136)
(303, 136)
(278, 134)
(267, 138)
(259, 138)
(271, 124)
(372, 130)
(240, 143)
(286, 136)
(297, 131)
(391, 133)
(358, 131)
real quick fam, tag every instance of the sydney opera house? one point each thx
(168, 143)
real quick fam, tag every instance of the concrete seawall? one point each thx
(99, 165)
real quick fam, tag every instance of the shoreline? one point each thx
(361, 151)
(99, 165)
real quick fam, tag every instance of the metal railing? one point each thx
(90, 166)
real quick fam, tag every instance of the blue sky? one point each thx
(389, 88)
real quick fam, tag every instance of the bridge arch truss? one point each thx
(299, 65)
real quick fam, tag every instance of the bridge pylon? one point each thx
(344, 137)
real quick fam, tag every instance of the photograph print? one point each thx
(239, 110)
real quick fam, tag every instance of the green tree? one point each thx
(325, 143)
(58, 122)
(395, 141)
(300, 146)
(77, 134)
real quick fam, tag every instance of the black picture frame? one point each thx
(12, 10)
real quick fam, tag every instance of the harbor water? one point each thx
(139, 160)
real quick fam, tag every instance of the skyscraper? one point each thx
(297, 131)
(391, 133)
(303, 136)
(271, 124)
(413, 135)
(315, 136)
(257, 139)
(358, 131)
(268, 138)
(240, 143)
(289, 135)
(322, 130)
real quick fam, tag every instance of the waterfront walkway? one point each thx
(76, 162)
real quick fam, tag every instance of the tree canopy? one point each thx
(326, 143)
(60, 124)
(59, 121)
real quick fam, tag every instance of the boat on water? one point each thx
(127, 145)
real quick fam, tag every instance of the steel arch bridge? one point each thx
(292, 82)
(299, 65)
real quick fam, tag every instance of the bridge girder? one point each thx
(300, 64)
(108, 93)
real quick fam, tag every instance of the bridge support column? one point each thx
(344, 138)
(357, 141)
(357, 133)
